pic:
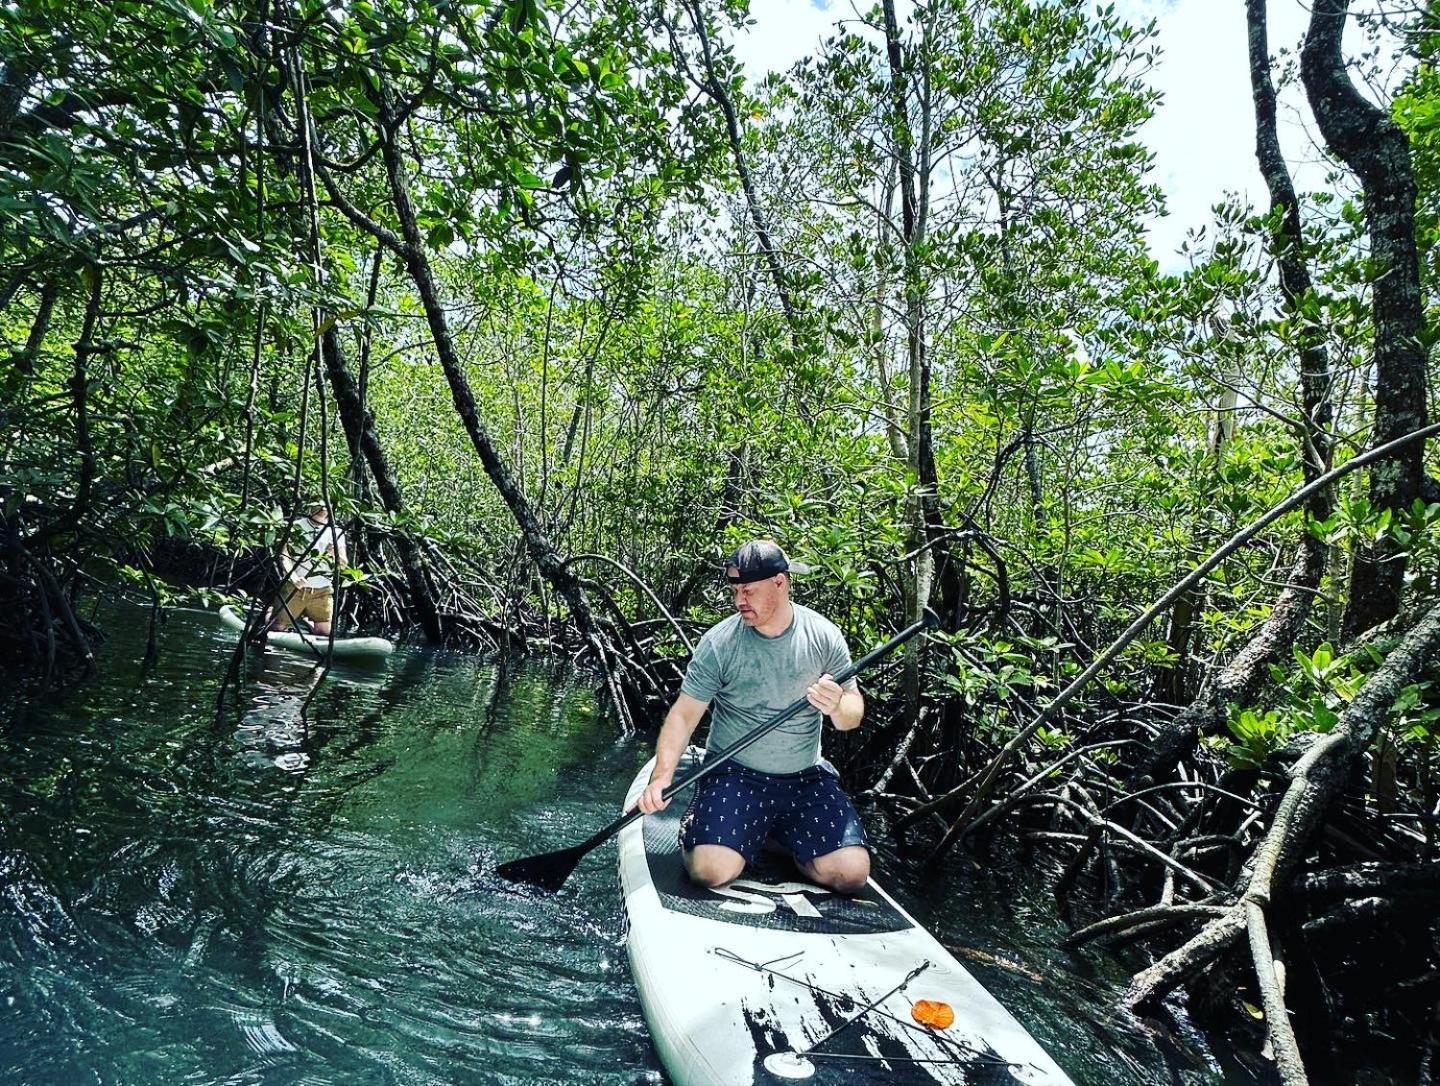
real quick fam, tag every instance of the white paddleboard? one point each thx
(773, 979)
(352, 648)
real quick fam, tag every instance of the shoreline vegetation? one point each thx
(550, 306)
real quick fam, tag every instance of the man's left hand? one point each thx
(825, 695)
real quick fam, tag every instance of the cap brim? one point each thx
(752, 577)
(764, 575)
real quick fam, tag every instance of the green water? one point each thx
(266, 896)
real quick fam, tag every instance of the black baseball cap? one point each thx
(757, 560)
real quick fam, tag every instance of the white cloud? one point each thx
(783, 31)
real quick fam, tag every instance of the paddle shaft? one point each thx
(718, 759)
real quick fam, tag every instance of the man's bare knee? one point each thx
(846, 870)
(714, 865)
(848, 884)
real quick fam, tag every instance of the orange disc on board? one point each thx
(933, 1013)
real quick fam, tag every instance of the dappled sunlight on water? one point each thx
(281, 895)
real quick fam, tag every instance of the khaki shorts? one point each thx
(316, 604)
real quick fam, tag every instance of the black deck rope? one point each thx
(863, 1011)
(948, 1060)
(966, 1054)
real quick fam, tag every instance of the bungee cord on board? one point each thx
(962, 1053)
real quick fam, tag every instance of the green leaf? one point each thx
(440, 236)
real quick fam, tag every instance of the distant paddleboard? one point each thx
(314, 645)
(773, 979)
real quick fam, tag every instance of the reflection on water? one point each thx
(297, 889)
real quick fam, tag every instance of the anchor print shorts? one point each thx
(807, 813)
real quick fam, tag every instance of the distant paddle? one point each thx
(549, 871)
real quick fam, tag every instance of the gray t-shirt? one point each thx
(747, 678)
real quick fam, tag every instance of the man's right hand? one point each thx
(651, 799)
(679, 725)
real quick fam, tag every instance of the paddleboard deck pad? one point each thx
(773, 979)
(315, 645)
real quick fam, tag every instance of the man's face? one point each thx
(759, 601)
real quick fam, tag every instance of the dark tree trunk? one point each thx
(1170, 684)
(1376, 148)
(15, 82)
(39, 327)
(1241, 679)
(85, 346)
(926, 524)
(360, 432)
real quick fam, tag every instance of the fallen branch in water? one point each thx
(1114, 925)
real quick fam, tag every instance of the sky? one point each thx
(1203, 134)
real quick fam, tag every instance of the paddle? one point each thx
(550, 870)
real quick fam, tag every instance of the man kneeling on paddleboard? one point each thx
(754, 663)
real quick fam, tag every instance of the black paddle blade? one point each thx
(547, 872)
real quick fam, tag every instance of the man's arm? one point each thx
(680, 723)
(845, 708)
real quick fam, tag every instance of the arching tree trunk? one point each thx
(360, 432)
(1376, 148)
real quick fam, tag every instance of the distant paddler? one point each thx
(314, 549)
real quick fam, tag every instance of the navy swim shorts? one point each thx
(807, 813)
